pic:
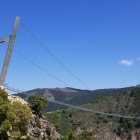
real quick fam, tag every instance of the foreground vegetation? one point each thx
(15, 116)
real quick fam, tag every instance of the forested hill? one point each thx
(71, 95)
(99, 126)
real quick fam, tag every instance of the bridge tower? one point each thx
(10, 40)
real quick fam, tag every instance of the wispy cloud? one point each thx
(139, 58)
(127, 62)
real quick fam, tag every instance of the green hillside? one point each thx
(72, 96)
(103, 127)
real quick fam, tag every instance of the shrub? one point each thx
(126, 125)
(37, 102)
(86, 134)
(72, 136)
(22, 114)
(65, 138)
(14, 118)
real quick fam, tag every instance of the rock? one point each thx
(48, 130)
(42, 134)
(33, 123)
(37, 120)
(13, 98)
(36, 133)
(44, 129)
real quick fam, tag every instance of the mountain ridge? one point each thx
(71, 95)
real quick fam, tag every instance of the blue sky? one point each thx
(98, 40)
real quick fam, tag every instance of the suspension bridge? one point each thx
(24, 48)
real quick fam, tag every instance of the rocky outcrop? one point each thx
(39, 128)
(13, 98)
(136, 135)
(47, 94)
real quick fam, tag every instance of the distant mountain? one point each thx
(138, 85)
(71, 95)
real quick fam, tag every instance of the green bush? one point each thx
(126, 125)
(86, 134)
(15, 116)
(37, 102)
(72, 136)
(65, 138)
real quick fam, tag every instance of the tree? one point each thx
(72, 136)
(37, 102)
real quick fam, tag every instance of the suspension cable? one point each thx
(55, 58)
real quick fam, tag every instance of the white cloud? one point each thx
(127, 62)
(139, 58)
